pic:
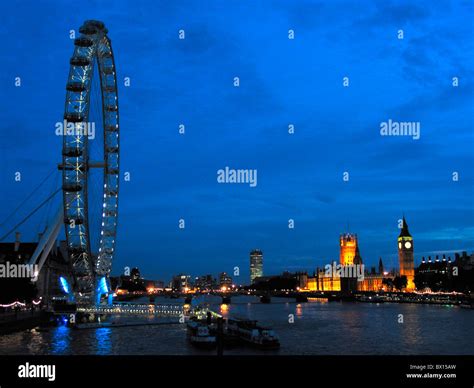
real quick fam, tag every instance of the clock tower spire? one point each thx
(405, 255)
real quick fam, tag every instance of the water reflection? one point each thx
(60, 340)
(224, 310)
(103, 342)
(299, 310)
(411, 325)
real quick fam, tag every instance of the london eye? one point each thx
(90, 160)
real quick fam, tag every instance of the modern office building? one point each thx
(181, 283)
(225, 281)
(256, 265)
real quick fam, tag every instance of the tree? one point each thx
(388, 282)
(400, 282)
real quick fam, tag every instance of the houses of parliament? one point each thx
(373, 280)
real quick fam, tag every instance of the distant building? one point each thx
(154, 285)
(135, 274)
(301, 280)
(323, 282)
(465, 262)
(285, 281)
(225, 281)
(446, 275)
(256, 265)
(349, 258)
(47, 284)
(348, 248)
(181, 283)
(159, 284)
(129, 283)
(405, 256)
(205, 282)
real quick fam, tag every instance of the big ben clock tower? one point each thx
(405, 256)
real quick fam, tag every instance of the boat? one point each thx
(228, 338)
(188, 300)
(253, 334)
(265, 299)
(200, 336)
(226, 300)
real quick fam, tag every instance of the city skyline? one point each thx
(343, 259)
(299, 82)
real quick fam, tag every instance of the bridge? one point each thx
(164, 311)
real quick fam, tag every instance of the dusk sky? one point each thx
(282, 81)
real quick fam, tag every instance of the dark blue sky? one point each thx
(282, 81)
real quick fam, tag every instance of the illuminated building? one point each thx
(371, 282)
(405, 256)
(301, 280)
(181, 283)
(347, 282)
(351, 283)
(205, 283)
(348, 244)
(256, 265)
(323, 282)
(225, 281)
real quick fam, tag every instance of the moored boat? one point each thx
(200, 336)
(251, 333)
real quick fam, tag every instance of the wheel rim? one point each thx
(92, 50)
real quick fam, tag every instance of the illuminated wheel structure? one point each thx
(90, 265)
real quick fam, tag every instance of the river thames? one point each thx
(318, 328)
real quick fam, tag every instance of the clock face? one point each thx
(408, 245)
(399, 245)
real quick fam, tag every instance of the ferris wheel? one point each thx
(90, 159)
